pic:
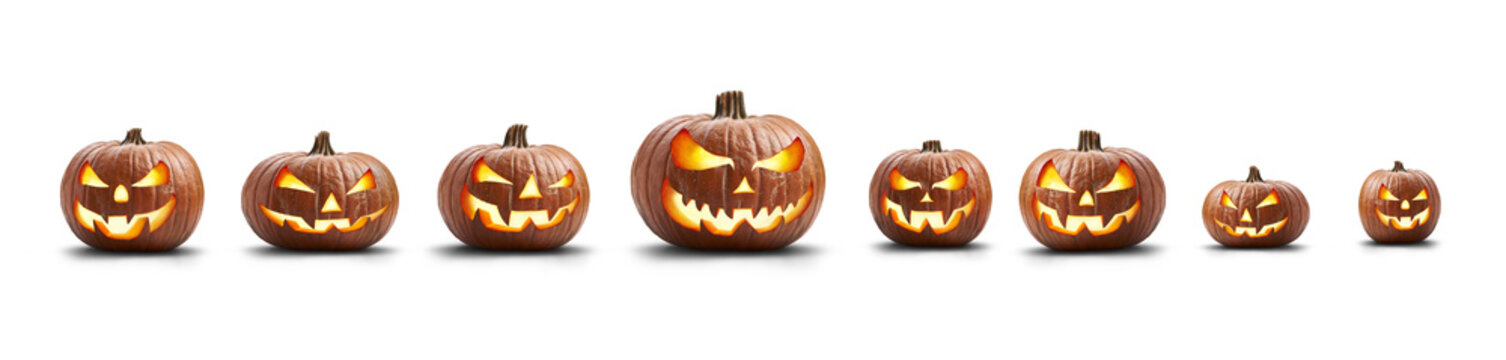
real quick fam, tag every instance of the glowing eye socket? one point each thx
(689, 155)
(1124, 178)
(899, 182)
(1386, 194)
(567, 181)
(157, 177)
(786, 160)
(1051, 180)
(363, 184)
(1421, 195)
(1228, 203)
(484, 174)
(1269, 200)
(87, 177)
(954, 182)
(286, 180)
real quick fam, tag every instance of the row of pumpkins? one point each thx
(720, 181)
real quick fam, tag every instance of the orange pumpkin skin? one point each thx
(1125, 216)
(930, 197)
(117, 187)
(729, 181)
(1255, 212)
(320, 200)
(479, 213)
(1405, 216)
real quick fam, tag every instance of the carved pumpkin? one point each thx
(729, 181)
(320, 200)
(1399, 205)
(132, 195)
(930, 197)
(1091, 198)
(1255, 212)
(513, 196)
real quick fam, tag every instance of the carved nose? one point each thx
(744, 188)
(330, 205)
(1406, 205)
(1246, 217)
(927, 198)
(531, 189)
(1087, 199)
(121, 195)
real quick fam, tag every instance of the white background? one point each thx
(1318, 93)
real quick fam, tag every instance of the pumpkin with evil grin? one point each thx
(729, 180)
(930, 196)
(320, 200)
(1255, 212)
(1091, 198)
(514, 196)
(132, 195)
(1400, 205)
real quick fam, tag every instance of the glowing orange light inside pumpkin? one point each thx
(87, 177)
(483, 174)
(1124, 178)
(362, 184)
(157, 177)
(286, 180)
(900, 182)
(689, 155)
(957, 181)
(1050, 180)
(786, 160)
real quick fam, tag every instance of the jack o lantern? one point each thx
(513, 196)
(1399, 205)
(729, 181)
(1091, 198)
(320, 200)
(1255, 212)
(132, 195)
(930, 197)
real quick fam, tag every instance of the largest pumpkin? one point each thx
(729, 180)
(1091, 197)
(132, 195)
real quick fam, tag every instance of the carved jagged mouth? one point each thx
(122, 227)
(1076, 223)
(1404, 222)
(297, 223)
(718, 222)
(1237, 231)
(517, 220)
(937, 220)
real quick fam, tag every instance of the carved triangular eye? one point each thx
(1124, 178)
(567, 181)
(1385, 194)
(689, 155)
(363, 184)
(484, 174)
(786, 160)
(957, 181)
(157, 177)
(1269, 200)
(286, 180)
(1227, 203)
(1421, 195)
(87, 177)
(1050, 180)
(900, 182)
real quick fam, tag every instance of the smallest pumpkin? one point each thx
(930, 197)
(1399, 206)
(514, 196)
(1255, 212)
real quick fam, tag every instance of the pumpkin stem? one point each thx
(1254, 175)
(931, 146)
(1088, 140)
(321, 145)
(517, 136)
(133, 137)
(1398, 167)
(730, 105)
